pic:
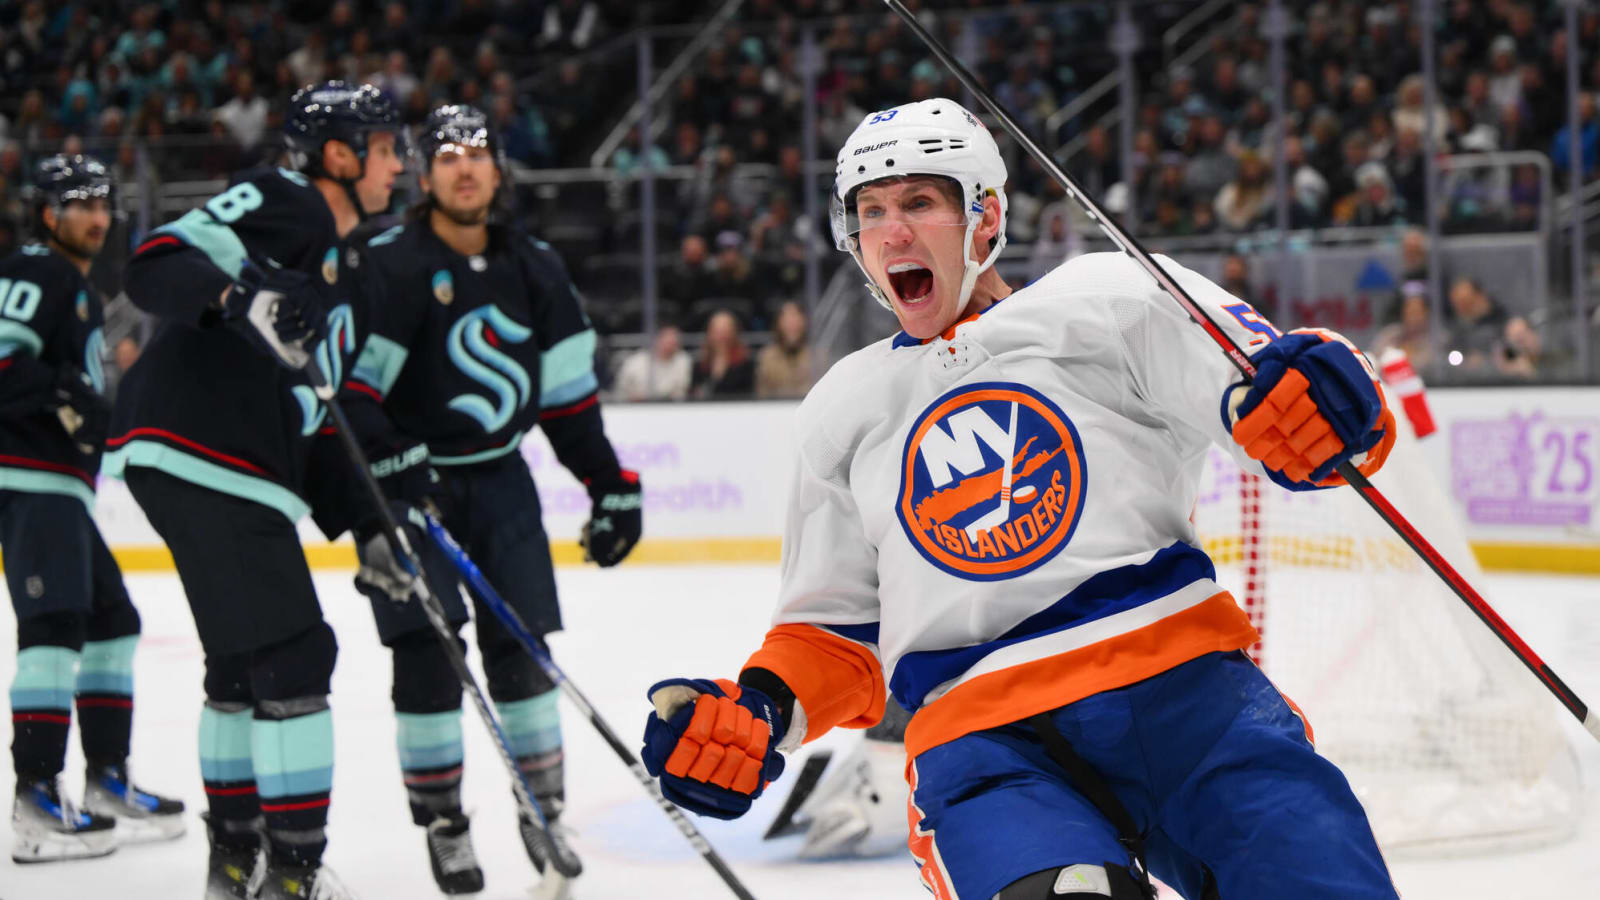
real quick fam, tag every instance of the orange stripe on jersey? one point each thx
(998, 698)
(837, 681)
(934, 877)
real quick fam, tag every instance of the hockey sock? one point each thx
(533, 729)
(430, 762)
(291, 744)
(105, 699)
(227, 769)
(41, 711)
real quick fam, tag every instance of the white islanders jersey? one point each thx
(995, 522)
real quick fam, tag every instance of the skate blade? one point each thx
(63, 847)
(553, 886)
(150, 829)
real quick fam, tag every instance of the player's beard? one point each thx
(79, 248)
(464, 217)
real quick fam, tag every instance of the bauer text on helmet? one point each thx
(915, 238)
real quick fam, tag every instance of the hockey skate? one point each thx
(48, 828)
(301, 883)
(232, 868)
(552, 884)
(141, 816)
(455, 865)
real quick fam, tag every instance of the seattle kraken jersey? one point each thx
(465, 352)
(49, 312)
(203, 403)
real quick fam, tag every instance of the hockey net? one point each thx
(1451, 745)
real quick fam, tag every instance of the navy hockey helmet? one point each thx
(336, 111)
(60, 179)
(459, 126)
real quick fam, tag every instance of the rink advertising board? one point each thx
(1521, 468)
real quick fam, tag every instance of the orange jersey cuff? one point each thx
(837, 681)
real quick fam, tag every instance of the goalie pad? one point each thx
(859, 808)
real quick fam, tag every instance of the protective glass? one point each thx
(915, 203)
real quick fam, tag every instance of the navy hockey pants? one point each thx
(1208, 758)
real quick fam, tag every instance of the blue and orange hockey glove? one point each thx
(713, 744)
(1314, 404)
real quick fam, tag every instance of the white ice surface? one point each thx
(627, 628)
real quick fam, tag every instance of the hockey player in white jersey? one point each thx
(989, 519)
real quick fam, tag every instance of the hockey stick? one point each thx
(1236, 355)
(519, 629)
(561, 858)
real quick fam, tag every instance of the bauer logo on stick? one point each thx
(992, 481)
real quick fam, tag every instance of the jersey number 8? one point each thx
(228, 206)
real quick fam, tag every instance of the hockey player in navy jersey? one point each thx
(989, 519)
(76, 627)
(475, 334)
(216, 432)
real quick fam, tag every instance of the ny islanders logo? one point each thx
(992, 481)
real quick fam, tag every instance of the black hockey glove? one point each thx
(385, 572)
(402, 469)
(615, 519)
(83, 412)
(278, 310)
(27, 386)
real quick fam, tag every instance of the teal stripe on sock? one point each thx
(24, 698)
(428, 740)
(225, 745)
(532, 725)
(107, 666)
(104, 683)
(293, 756)
(44, 678)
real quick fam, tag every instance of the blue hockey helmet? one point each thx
(60, 179)
(336, 111)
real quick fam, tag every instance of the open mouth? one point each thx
(911, 282)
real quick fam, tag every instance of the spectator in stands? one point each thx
(244, 116)
(718, 218)
(733, 279)
(660, 372)
(1409, 330)
(1247, 201)
(1525, 197)
(1235, 280)
(569, 25)
(633, 155)
(1308, 197)
(1409, 111)
(1361, 103)
(1517, 354)
(1477, 326)
(1408, 169)
(1505, 80)
(724, 368)
(1588, 139)
(689, 280)
(783, 367)
(1099, 164)
(1058, 239)
(1210, 167)
(1376, 203)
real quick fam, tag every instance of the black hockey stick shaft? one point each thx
(1374, 498)
(519, 629)
(431, 606)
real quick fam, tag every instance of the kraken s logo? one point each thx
(341, 341)
(473, 344)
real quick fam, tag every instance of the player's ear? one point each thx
(337, 158)
(988, 228)
(47, 215)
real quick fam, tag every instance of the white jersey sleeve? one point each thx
(1175, 364)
